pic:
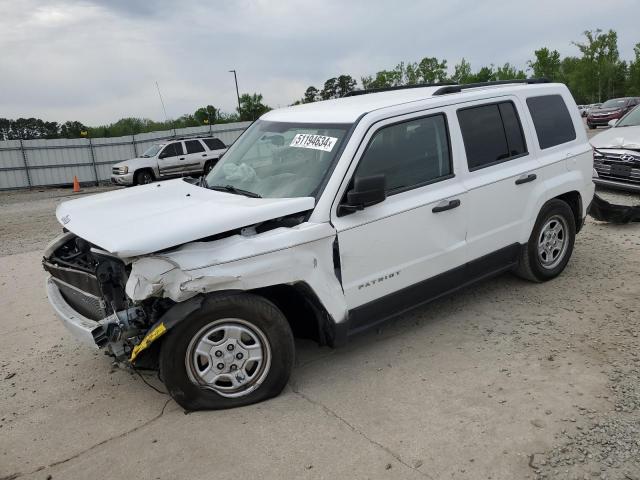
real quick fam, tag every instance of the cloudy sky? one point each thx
(98, 60)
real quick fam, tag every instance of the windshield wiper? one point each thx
(237, 191)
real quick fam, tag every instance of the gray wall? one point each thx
(33, 163)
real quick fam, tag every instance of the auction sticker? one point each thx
(316, 142)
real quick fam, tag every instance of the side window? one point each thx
(214, 143)
(172, 150)
(492, 134)
(409, 154)
(552, 120)
(193, 146)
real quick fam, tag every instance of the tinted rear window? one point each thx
(214, 143)
(552, 120)
(492, 134)
(193, 146)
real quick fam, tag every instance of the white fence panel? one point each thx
(55, 162)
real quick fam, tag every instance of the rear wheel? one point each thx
(208, 166)
(144, 177)
(550, 244)
(236, 350)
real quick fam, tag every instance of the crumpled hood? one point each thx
(618, 137)
(145, 219)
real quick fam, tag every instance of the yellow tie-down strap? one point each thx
(148, 339)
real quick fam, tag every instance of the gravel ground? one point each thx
(504, 380)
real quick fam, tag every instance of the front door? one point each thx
(389, 250)
(172, 159)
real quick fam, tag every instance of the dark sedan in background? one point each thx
(611, 110)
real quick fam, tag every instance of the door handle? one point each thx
(526, 179)
(444, 206)
(204, 154)
(181, 158)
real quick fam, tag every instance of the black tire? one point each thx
(256, 312)
(531, 265)
(143, 177)
(208, 166)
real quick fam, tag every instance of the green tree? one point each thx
(311, 95)
(330, 89)
(206, 114)
(633, 82)
(509, 72)
(251, 107)
(599, 63)
(462, 72)
(344, 85)
(72, 129)
(546, 64)
(431, 70)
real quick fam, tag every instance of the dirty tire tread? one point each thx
(528, 266)
(249, 307)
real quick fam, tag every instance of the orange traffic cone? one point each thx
(76, 184)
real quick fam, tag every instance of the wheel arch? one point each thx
(574, 200)
(302, 308)
(137, 171)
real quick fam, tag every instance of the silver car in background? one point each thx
(173, 158)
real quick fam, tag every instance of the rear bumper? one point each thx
(632, 187)
(83, 328)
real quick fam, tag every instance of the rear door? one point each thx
(171, 160)
(197, 155)
(502, 178)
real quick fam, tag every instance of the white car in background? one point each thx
(173, 158)
(616, 158)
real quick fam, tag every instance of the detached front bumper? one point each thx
(84, 329)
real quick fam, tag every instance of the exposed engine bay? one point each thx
(92, 282)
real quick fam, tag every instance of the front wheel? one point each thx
(143, 177)
(551, 243)
(237, 349)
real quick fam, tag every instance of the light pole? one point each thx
(235, 76)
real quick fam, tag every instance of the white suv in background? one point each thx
(174, 158)
(323, 220)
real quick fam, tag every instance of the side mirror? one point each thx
(366, 191)
(612, 123)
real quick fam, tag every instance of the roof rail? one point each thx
(355, 93)
(459, 88)
(191, 137)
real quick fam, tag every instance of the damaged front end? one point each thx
(87, 290)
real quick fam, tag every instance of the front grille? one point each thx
(115, 170)
(617, 166)
(84, 303)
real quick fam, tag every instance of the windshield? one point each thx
(614, 103)
(279, 160)
(152, 151)
(631, 119)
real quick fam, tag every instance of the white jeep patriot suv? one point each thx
(322, 219)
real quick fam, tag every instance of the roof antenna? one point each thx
(166, 119)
